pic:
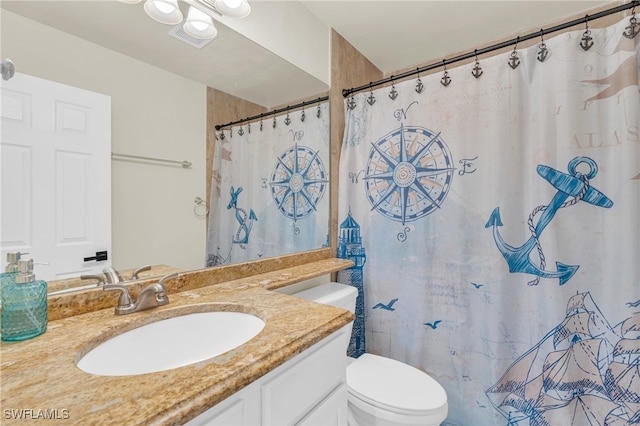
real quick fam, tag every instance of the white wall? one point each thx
(154, 113)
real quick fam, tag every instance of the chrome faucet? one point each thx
(152, 296)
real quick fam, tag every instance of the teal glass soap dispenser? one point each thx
(24, 305)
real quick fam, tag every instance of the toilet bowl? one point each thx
(382, 391)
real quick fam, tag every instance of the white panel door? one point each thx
(55, 152)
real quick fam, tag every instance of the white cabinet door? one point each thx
(238, 410)
(55, 184)
(331, 411)
(291, 394)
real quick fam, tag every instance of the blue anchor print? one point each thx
(387, 307)
(574, 185)
(241, 217)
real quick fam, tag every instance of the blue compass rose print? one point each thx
(408, 173)
(298, 182)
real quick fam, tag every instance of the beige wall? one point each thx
(154, 113)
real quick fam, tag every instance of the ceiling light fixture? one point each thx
(199, 25)
(233, 8)
(164, 11)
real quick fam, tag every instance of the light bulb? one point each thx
(199, 25)
(232, 3)
(165, 8)
(164, 11)
(233, 8)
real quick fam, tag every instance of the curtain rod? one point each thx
(274, 112)
(477, 52)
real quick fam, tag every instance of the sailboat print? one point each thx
(583, 372)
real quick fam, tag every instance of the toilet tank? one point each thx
(337, 295)
(333, 294)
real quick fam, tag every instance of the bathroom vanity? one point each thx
(309, 389)
(293, 371)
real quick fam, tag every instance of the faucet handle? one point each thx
(125, 304)
(134, 276)
(100, 279)
(166, 278)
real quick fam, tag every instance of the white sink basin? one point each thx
(171, 343)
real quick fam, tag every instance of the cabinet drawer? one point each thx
(293, 393)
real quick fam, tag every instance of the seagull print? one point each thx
(434, 324)
(633, 304)
(476, 285)
(387, 307)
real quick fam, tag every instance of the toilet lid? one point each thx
(393, 385)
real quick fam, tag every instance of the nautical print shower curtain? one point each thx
(269, 192)
(493, 214)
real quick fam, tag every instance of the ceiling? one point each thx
(392, 34)
(399, 34)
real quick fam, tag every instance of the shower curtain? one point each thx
(269, 192)
(492, 211)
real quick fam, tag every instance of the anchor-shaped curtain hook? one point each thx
(633, 29)
(318, 113)
(445, 80)
(419, 85)
(351, 102)
(249, 128)
(586, 41)
(222, 134)
(274, 122)
(287, 120)
(302, 115)
(477, 70)
(261, 122)
(543, 52)
(514, 60)
(371, 99)
(393, 94)
(241, 131)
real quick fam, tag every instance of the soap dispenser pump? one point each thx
(24, 305)
(11, 270)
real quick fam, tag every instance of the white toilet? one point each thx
(382, 391)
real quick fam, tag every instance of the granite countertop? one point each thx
(40, 378)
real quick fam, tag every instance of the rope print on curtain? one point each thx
(269, 192)
(494, 220)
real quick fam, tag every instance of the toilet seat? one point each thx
(394, 387)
